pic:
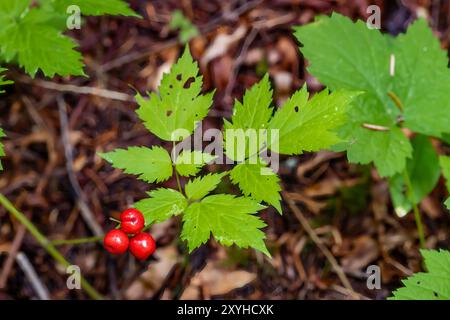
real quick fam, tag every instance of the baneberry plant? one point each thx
(32, 35)
(256, 126)
(405, 83)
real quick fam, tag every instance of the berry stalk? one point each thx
(46, 244)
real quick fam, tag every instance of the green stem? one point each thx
(417, 216)
(76, 241)
(46, 244)
(176, 172)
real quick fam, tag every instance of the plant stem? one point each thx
(415, 208)
(46, 244)
(176, 172)
(76, 241)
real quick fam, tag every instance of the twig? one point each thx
(12, 252)
(76, 241)
(335, 265)
(27, 268)
(86, 213)
(398, 103)
(46, 244)
(238, 62)
(207, 28)
(103, 93)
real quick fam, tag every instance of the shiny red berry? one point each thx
(116, 242)
(142, 246)
(132, 221)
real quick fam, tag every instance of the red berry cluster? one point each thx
(141, 245)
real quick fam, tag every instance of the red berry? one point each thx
(142, 246)
(132, 221)
(116, 242)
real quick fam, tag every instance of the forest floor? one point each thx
(337, 216)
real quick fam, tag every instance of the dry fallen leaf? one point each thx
(214, 280)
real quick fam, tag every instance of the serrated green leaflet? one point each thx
(172, 115)
(242, 134)
(258, 182)
(310, 125)
(149, 164)
(162, 204)
(423, 171)
(432, 285)
(228, 218)
(411, 67)
(189, 163)
(199, 187)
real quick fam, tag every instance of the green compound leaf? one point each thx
(432, 285)
(199, 187)
(172, 115)
(258, 182)
(31, 36)
(162, 204)
(310, 125)
(423, 170)
(188, 31)
(229, 219)
(96, 7)
(189, 163)
(149, 164)
(28, 38)
(361, 60)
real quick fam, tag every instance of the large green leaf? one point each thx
(412, 67)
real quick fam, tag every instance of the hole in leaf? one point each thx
(188, 83)
(179, 77)
(296, 109)
(168, 113)
(435, 294)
